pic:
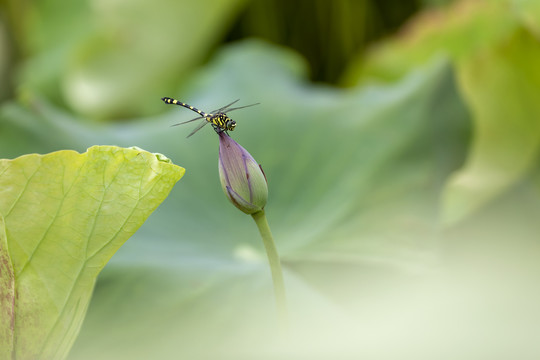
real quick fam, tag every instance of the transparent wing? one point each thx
(225, 107)
(241, 107)
(199, 127)
(185, 122)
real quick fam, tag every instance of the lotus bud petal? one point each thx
(242, 178)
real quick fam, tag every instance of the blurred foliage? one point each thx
(83, 54)
(494, 48)
(457, 32)
(106, 59)
(326, 33)
(405, 206)
(501, 86)
(5, 58)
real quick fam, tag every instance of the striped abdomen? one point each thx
(168, 100)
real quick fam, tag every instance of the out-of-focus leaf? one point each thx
(501, 87)
(65, 215)
(455, 31)
(107, 58)
(4, 61)
(354, 178)
(486, 42)
(529, 13)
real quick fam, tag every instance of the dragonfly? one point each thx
(218, 118)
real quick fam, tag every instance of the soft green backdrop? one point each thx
(405, 207)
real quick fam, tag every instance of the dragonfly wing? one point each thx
(199, 127)
(241, 107)
(225, 107)
(185, 122)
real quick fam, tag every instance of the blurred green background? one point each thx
(400, 140)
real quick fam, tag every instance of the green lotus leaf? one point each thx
(500, 86)
(65, 214)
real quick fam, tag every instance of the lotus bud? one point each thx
(242, 178)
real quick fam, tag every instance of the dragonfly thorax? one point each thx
(222, 121)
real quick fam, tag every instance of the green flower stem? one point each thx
(275, 266)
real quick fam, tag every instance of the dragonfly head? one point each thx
(231, 124)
